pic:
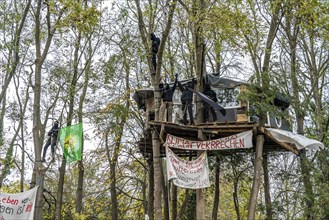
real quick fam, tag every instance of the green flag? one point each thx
(71, 142)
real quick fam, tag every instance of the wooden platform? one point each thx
(212, 131)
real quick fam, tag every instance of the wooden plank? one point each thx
(242, 117)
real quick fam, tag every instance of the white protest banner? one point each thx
(237, 141)
(188, 174)
(18, 206)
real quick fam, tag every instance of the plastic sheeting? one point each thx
(300, 141)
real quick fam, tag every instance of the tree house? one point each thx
(237, 119)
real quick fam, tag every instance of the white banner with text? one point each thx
(192, 174)
(236, 141)
(18, 206)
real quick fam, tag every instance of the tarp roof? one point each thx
(299, 141)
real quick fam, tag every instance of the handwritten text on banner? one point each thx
(188, 174)
(18, 206)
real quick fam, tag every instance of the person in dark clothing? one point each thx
(154, 50)
(186, 99)
(213, 96)
(52, 140)
(167, 95)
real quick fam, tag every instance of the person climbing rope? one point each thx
(52, 141)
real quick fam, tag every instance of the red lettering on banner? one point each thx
(242, 143)
(29, 207)
(10, 201)
(230, 142)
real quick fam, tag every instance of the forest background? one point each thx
(81, 61)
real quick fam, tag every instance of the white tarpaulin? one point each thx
(188, 174)
(18, 206)
(298, 140)
(237, 141)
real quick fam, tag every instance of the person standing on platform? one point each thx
(186, 99)
(166, 108)
(211, 94)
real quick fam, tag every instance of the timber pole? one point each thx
(257, 176)
(200, 193)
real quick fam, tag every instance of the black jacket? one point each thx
(168, 92)
(210, 93)
(187, 95)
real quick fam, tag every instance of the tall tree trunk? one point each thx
(155, 78)
(157, 176)
(113, 163)
(78, 201)
(309, 195)
(174, 192)
(2, 116)
(236, 198)
(182, 209)
(268, 203)
(166, 190)
(256, 178)
(39, 169)
(292, 33)
(72, 91)
(37, 126)
(265, 83)
(216, 191)
(200, 193)
(60, 189)
(198, 12)
(191, 206)
(150, 207)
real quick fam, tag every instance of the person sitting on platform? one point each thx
(166, 108)
(213, 96)
(186, 99)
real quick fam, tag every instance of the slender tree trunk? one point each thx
(37, 126)
(157, 176)
(182, 209)
(78, 205)
(198, 12)
(36, 117)
(150, 207)
(60, 189)
(113, 163)
(191, 206)
(265, 83)
(268, 203)
(292, 32)
(174, 192)
(236, 198)
(62, 169)
(257, 176)
(200, 193)
(2, 115)
(165, 188)
(309, 195)
(216, 191)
